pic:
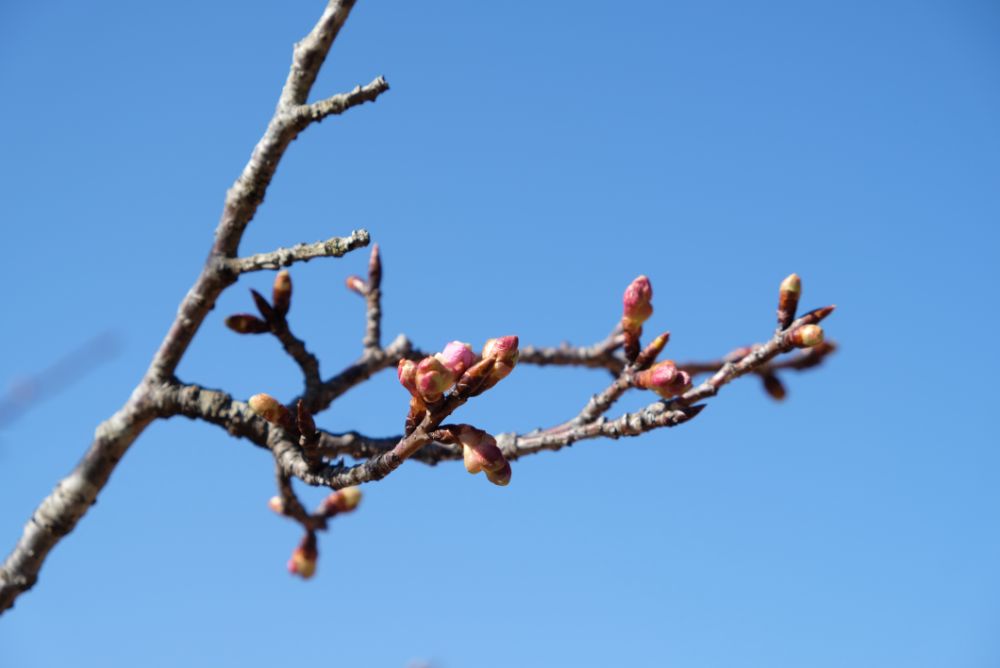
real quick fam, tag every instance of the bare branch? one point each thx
(284, 257)
(373, 302)
(338, 104)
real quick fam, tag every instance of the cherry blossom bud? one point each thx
(342, 501)
(407, 373)
(357, 284)
(433, 379)
(637, 303)
(774, 387)
(281, 296)
(637, 307)
(501, 476)
(788, 300)
(457, 357)
(504, 350)
(244, 323)
(806, 336)
(276, 504)
(664, 378)
(304, 557)
(481, 453)
(272, 410)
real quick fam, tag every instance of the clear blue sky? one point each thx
(715, 146)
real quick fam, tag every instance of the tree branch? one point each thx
(284, 257)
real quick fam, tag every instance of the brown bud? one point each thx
(272, 410)
(773, 386)
(375, 266)
(281, 295)
(788, 300)
(652, 351)
(244, 323)
(265, 309)
(805, 336)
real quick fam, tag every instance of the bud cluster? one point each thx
(428, 379)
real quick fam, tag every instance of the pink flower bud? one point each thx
(480, 451)
(304, 557)
(664, 378)
(407, 373)
(504, 351)
(456, 357)
(433, 379)
(637, 303)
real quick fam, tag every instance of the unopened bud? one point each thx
(244, 323)
(342, 501)
(504, 350)
(501, 476)
(433, 379)
(407, 374)
(806, 336)
(276, 504)
(281, 295)
(652, 351)
(637, 303)
(663, 378)
(357, 284)
(774, 387)
(272, 410)
(788, 300)
(480, 451)
(456, 357)
(304, 557)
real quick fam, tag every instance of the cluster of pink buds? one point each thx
(481, 453)
(428, 379)
(304, 557)
(637, 307)
(664, 378)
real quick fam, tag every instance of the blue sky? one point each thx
(715, 146)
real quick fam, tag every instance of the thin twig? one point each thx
(284, 257)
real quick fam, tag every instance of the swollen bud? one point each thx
(505, 353)
(788, 300)
(304, 557)
(806, 336)
(637, 307)
(456, 357)
(342, 501)
(281, 295)
(637, 303)
(501, 476)
(481, 453)
(272, 410)
(244, 323)
(432, 379)
(664, 378)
